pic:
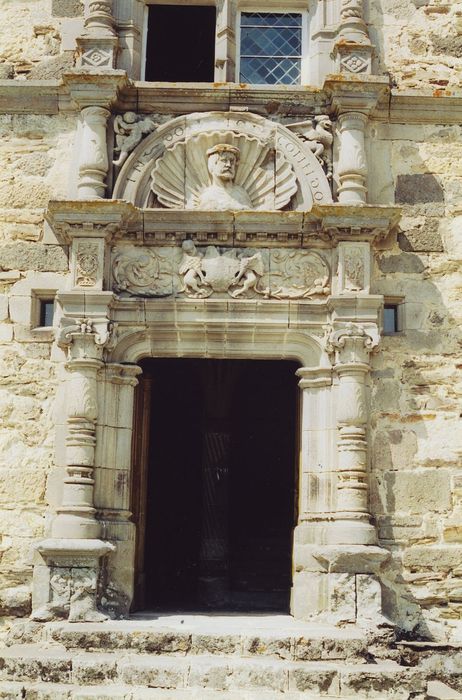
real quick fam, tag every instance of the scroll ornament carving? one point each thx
(238, 272)
(99, 331)
(352, 343)
(301, 275)
(129, 130)
(223, 171)
(317, 134)
(143, 272)
(87, 259)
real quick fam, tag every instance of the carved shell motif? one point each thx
(180, 175)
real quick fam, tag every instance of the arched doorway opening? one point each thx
(215, 484)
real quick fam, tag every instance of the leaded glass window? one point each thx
(271, 48)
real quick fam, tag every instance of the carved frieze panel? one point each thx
(354, 267)
(88, 262)
(201, 272)
(227, 161)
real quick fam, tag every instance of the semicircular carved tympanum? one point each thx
(223, 161)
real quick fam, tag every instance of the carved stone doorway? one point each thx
(215, 482)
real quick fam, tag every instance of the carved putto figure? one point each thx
(212, 272)
(129, 131)
(222, 161)
(317, 133)
(222, 171)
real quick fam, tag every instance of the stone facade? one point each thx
(343, 194)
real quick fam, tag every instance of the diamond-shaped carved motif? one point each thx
(354, 63)
(97, 58)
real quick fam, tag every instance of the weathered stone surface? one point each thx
(52, 68)
(422, 239)
(414, 189)
(67, 8)
(26, 256)
(406, 262)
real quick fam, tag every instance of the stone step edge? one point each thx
(13, 690)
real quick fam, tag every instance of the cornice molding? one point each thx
(369, 94)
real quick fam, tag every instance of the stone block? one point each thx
(443, 558)
(67, 8)
(157, 672)
(415, 189)
(6, 333)
(248, 674)
(318, 679)
(368, 597)
(93, 669)
(279, 648)
(422, 239)
(417, 491)
(407, 263)
(342, 598)
(309, 594)
(23, 255)
(215, 644)
(3, 307)
(390, 681)
(209, 673)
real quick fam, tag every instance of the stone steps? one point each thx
(212, 673)
(183, 644)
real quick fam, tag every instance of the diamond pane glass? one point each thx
(270, 19)
(270, 71)
(271, 41)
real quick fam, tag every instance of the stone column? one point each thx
(98, 43)
(352, 167)
(351, 347)
(93, 159)
(67, 565)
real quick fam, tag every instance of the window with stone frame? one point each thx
(272, 48)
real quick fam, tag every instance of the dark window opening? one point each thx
(390, 318)
(46, 311)
(181, 43)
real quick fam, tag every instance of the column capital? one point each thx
(118, 373)
(351, 345)
(85, 338)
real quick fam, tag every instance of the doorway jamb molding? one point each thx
(103, 336)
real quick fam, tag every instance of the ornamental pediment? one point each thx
(224, 161)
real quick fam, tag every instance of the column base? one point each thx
(338, 584)
(65, 580)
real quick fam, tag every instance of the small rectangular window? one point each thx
(271, 48)
(390, 318)
(46, 312)
(180, 44)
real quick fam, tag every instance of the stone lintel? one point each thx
(355, 93)
(322, 226)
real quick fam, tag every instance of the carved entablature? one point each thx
(198, 273)
(228, 161)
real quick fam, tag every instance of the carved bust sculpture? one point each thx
(222, 161)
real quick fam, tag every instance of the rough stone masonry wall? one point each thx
(35, 154)
(419, 42)
(417, 387)
(37, 37)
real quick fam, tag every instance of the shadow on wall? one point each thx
(415, 421)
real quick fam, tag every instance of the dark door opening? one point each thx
(181, 43)
(220, 485)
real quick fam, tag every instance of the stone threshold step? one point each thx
(49, 691)
(208, 672)
(291, 641)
